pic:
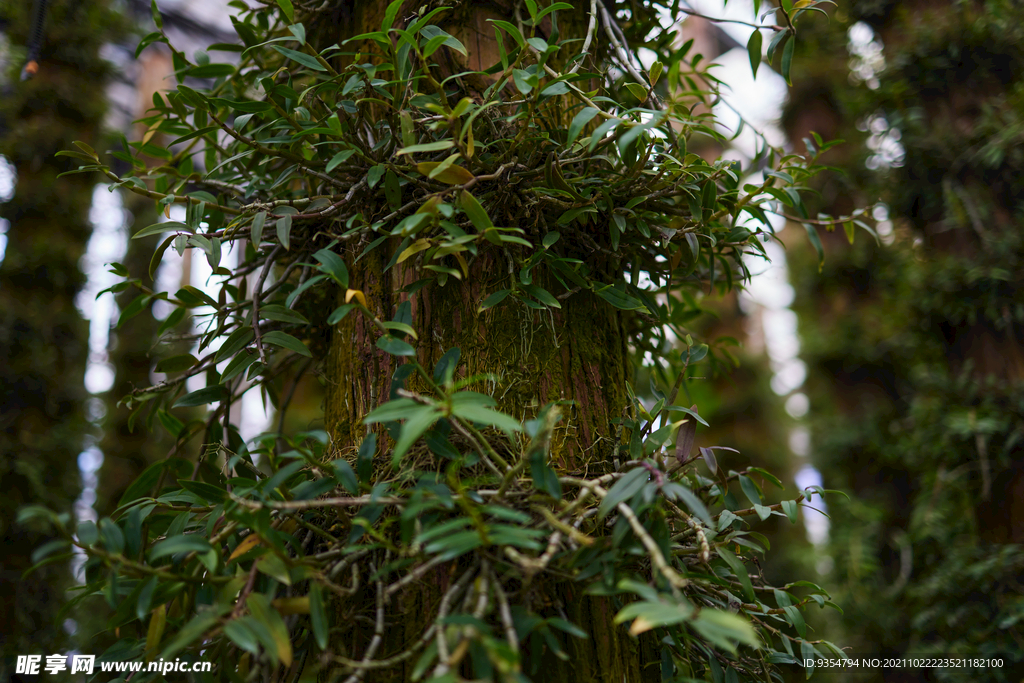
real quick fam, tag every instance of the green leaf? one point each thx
(787, 59)
(208, 492)
(812, 235)
(601, 131)
(585, 116)
(176, 363)
(185, 543)
(419, 420)
(334, 266)
(158, 256)
(791, 508)
(739, 570)
(655, 72)
(389, 15)
(750, 490)
(201, 397)
(794, 617)
(211, 71)
(638, 90)
(511, 30)
(394, 346)
(238, 365)
(754, 50)
(241, 634)
(427, 147)
(286, 341)
(263, 612)
(160, 228)
(433, 33)
(238, 340)
(345, 476)
(483, 415)
(151, 475)
(523, 80)
(725, 630)
(282, 314)
(286, 7)
(338, 159)
(145, 598)
(318, 615)
(256, 235)
(374, 175)
(302, 288)
(624, 489)
(647, 615)
(475, 211)
(199, 625)
(87, 532)
(392, 410)
(494, 299)
(284, 231)
(300, 57)
(692, 501)
(134, 308)
(619, 299)
(544, 478)
(392, 190)
(339, 314)
(689, 411)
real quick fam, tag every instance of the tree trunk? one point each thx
(43, 339)
(577, 355)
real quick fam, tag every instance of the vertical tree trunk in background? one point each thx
(918, 348)
(576, 354)
(127, 451)
(43, 339)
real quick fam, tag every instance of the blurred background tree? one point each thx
(43, 338)
(915, 345)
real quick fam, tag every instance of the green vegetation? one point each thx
(474, 244)
(915, 347)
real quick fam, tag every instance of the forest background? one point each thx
(911, 343)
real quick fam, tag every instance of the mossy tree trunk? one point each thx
(577, 355)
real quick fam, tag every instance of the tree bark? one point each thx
(577, 354)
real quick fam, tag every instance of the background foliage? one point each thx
(915, 346)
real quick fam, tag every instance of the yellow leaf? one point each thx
(639, 626)
(247, 544)
(462, 264)
(452, 175)
(414, 248)
(149, 135)
(470, 146)
(430, 206)
(288, 606)
(355, 294)
(156, 630)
